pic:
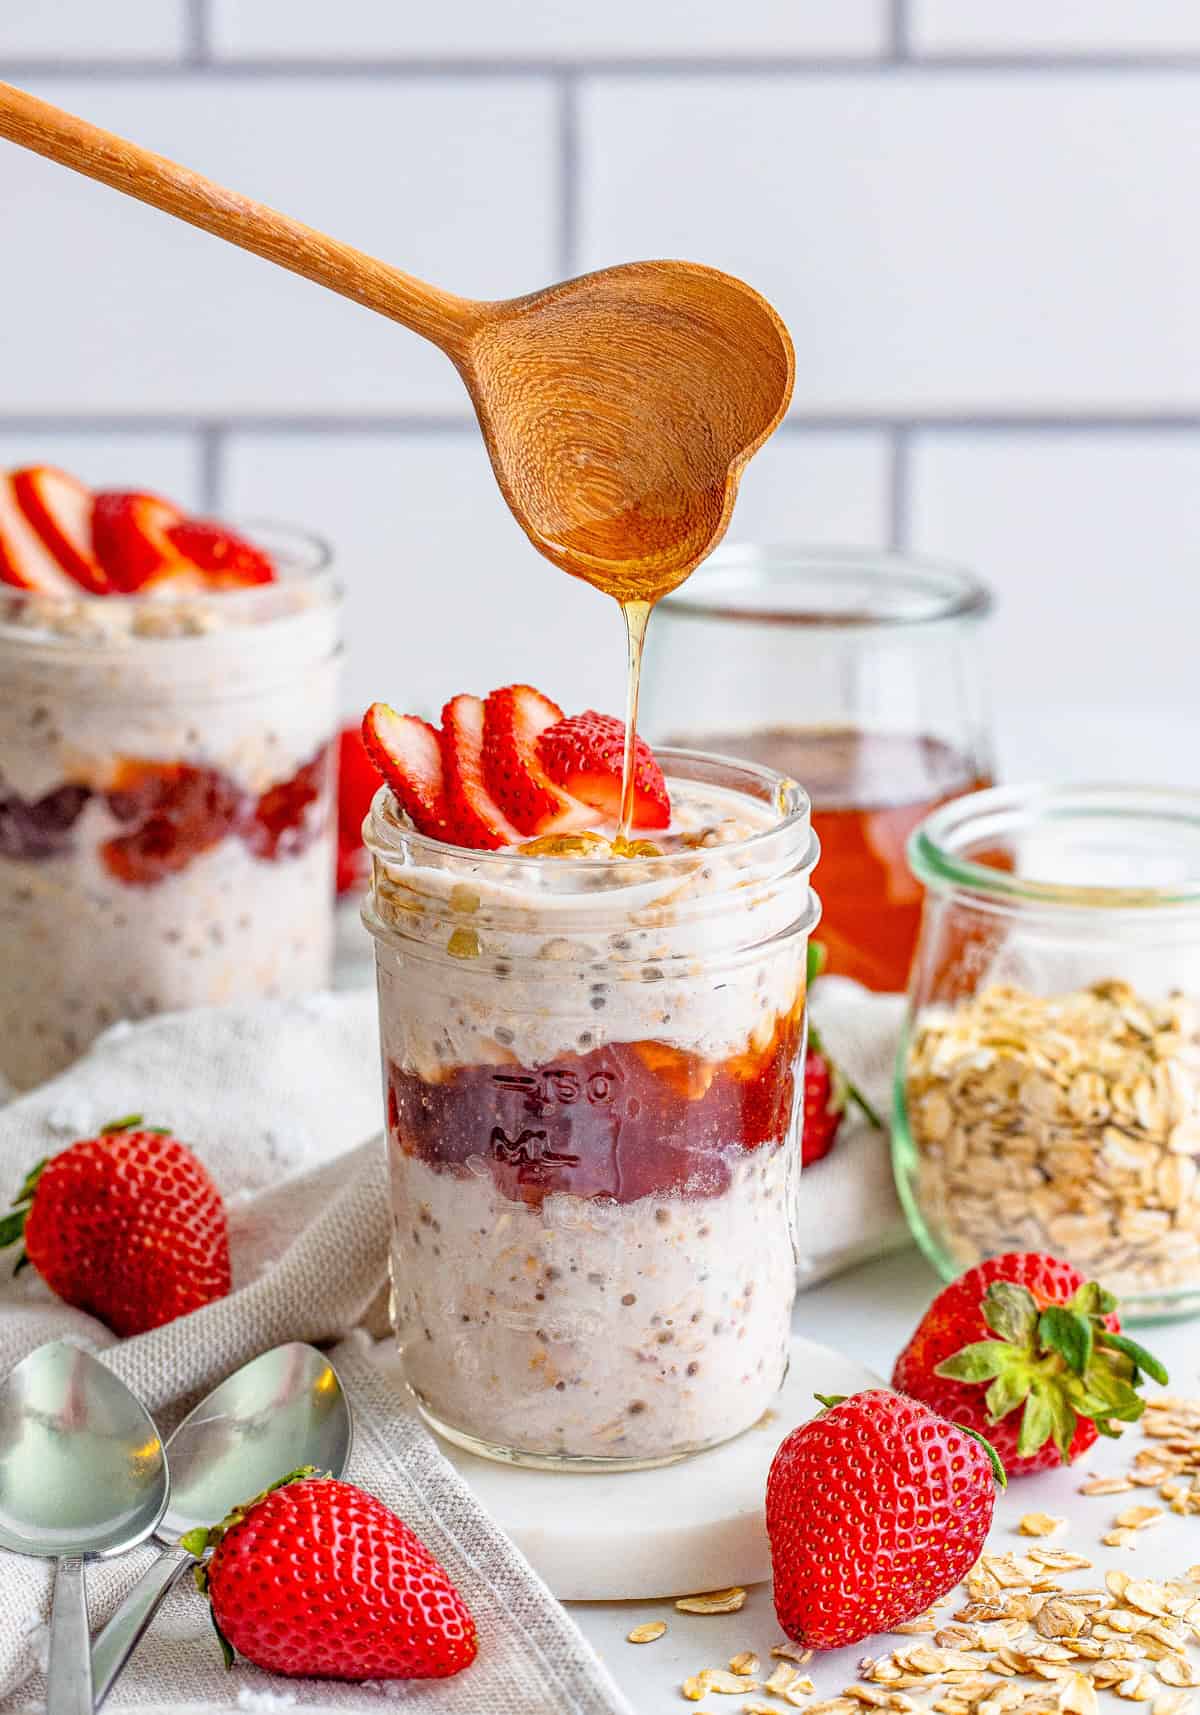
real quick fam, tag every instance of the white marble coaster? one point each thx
(637, 1535)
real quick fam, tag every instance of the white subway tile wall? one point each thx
(126, 30)
(542, 29)
(975, 216)
(1033, 27)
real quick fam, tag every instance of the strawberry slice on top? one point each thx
(514, 718)
(26, 563)
(131, 539)
(59, 509)
(585, 755)
(227, 560)
(476, 819)
(408, 754)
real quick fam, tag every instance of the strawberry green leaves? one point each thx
(1057, 1365)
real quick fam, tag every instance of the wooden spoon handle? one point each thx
(63, 137)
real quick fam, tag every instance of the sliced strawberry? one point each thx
(228, 561)
(131, 539)
(585, 755)
(514, 718)
(60, 510)
(408, 753)
(25, 560)
(476, 819)
(358, 781)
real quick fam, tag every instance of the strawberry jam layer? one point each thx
(625, 1121)
(170, 813)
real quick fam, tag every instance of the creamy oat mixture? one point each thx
(252, 703)
(528, 959)
(588, 1328)
(1068, 1123)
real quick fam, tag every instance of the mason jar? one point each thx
(166, 832)
(855, 671)
(592, 1075)
(1048, 1086)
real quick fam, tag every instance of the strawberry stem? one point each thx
(1057, 1365)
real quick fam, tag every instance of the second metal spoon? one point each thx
(284, 1409)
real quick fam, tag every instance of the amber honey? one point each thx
(869, 791)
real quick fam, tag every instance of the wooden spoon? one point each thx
(618, 409)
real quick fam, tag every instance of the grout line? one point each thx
(428, 423)
(900, 36)
(211, 459)
(196, 50)
(898, 492)
(785, 65)
(157, 422)
(568, 176)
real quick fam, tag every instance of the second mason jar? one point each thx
(1048, 1087)
(855, 671)
(166, 784)
(592, 1071)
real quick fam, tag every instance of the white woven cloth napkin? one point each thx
(849, 1210)
(281, 1101)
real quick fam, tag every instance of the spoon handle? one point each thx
(69, 1676)
(438, 316)
(124, 1632)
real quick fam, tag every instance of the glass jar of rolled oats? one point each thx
(1048, 1082)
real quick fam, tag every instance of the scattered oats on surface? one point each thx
(647, 1633)
(1177, 1670)
(1059, 1618)
(755, 1706)
(788, 1651)
(1106, 1486)
(714, 1602)
(1138, 1688)
(746, 1663)
(1078, 1696)
(725, 1683)
(1137, 1518)
(1171, 1703)
(1060, 1559)
(1040, 1524)
(798, 1691)
(1146, 1597)
(781, 1678)
(1119, 1538)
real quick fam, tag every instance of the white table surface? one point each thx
(869, 1314)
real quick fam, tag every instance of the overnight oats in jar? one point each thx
(166, 835)
(592, 1065)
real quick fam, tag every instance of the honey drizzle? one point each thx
(637, 618)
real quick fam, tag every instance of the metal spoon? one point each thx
(282, 1410)
(82, 1472)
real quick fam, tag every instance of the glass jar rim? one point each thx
(302, 554)
(934, 847)
(388, 837)
(747, 583)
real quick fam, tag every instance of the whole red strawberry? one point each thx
(126, 1225)
(824, 1106)
(875, 1509)
(1029, 1352)
(315, 1577)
